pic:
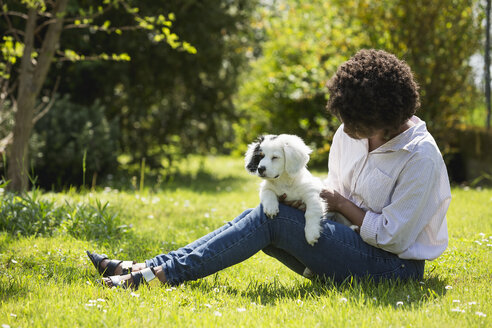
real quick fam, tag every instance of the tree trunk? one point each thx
(18, 163)
(31, 79)
(487, 65)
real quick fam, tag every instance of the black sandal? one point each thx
(139, 277)
(109, 270)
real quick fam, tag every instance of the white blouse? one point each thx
(402, 186)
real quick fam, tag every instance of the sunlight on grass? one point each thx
(47, 281)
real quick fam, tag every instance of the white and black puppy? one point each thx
(281, 161)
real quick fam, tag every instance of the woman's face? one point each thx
(359, 132)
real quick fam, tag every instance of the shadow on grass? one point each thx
(204, 181)
(391, 293)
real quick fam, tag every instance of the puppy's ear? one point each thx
(296, 153)
(252, 157)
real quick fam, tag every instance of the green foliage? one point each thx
(90, 222)
(62, 138)
(437, 39)
(11, 52)
(284, 92)
(34, 19)
(164, 98)
(30, 215)
(306, 41)
(27, 215)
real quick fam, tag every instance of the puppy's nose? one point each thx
(261, 169)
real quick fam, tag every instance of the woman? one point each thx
(386, 175)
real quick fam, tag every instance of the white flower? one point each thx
(399, 303)
(240, 309)
(457, 310)
(5, 326)
(472, 303)
(207, 305)
(217, 314)
(456, 301)
(135, 295)
(343, 299)
(449, 287)
(480, 314)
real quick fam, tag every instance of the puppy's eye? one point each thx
(274, 157)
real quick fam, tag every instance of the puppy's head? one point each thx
(271, 156)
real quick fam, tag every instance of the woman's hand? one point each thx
(294, 203)
(332, 200)
(337, 203)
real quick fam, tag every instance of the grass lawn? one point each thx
(47, 281)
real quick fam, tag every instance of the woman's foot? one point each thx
(108, 267)
(135, 267)
(134, 279)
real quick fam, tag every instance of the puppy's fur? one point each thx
(281, 162)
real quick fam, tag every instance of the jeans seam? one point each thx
(225, 249)
(343, 243)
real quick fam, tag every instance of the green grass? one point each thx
(47, 281)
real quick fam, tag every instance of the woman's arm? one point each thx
(337, 203)
(332, 180)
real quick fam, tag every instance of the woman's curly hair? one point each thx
(373, 90)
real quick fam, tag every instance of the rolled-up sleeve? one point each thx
(332, 181)
(417, 199)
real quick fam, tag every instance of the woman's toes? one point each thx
(138, 267)
(115, 281)
(107, 282)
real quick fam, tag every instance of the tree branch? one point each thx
(49, 45)
(39, 111)
(5, 142)
(15, 13)
(74, 19)
(9, 23)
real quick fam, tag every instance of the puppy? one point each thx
(280, 160)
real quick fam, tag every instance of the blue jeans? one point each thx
(339, 253)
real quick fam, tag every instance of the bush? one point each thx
(28, 215)
(305, 42)
(73, 145)
(468, 156)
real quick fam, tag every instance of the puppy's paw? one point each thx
(312, 232)
(271, 209)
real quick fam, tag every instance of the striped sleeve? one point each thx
(415, 202)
